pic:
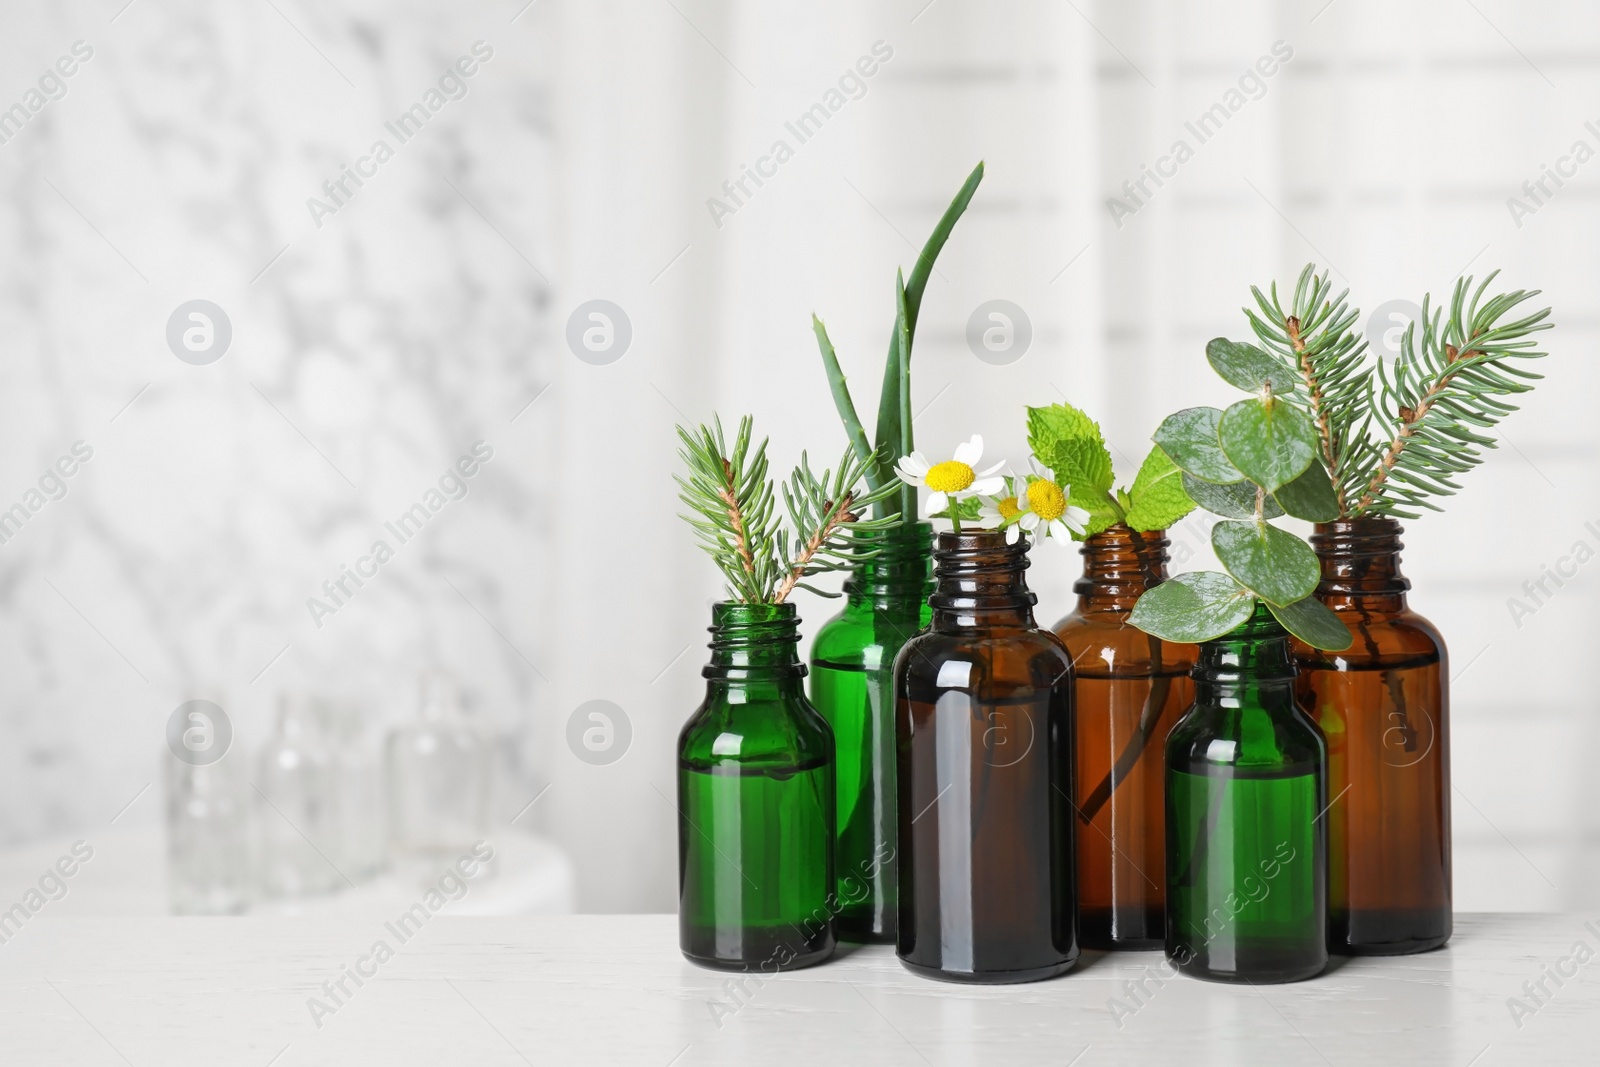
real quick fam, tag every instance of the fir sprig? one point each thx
(733, 510)
(1315, 338)
(1444, 389)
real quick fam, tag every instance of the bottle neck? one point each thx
(1251, 665)
(980, 582)
(1360, 565)
(754, 643)
(896, 566)
(1119, 564)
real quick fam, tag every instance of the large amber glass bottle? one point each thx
(1131, 688)
(755, 803)
(1384, 708)
(1246, 838)
(983, 724)
(852, 685)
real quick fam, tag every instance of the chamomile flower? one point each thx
(1001, 512)
(1045, 511)
(955, 479)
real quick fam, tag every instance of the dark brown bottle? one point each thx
(1130, 688)
(983, 730)
(1383, 705)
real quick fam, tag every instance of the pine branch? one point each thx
(1443, 390)
(732, 505)
(1315, 339)
(826, 516)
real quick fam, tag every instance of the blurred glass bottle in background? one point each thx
(439, 770)
(208, 837)
(358, 764)
(297, 808)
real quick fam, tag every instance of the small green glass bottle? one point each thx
(1246, 838)
(852, 685)
(755, 803)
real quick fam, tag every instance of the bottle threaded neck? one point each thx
(1119, 565)
(1256, 653)
(980, 578)
(899, 564)
(1360, 558)
(754, 641)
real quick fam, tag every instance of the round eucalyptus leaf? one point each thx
(1189, 438)
(1313, 622)
(1236, 501)
(1271, 443)
(1309, 496)
(1193, 607)
(1274, 564)
(1247, 367)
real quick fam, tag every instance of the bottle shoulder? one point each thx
(1104, 644)
(849, 636)
(1256, 737)
(1386, 640)
(768, 731)
(1003, 653)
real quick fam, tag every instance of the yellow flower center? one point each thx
(1008, 509)
(952, 476)
(1047, 500)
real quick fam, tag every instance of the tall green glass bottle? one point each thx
(1246, 836)
(852, 685)
(755, 803)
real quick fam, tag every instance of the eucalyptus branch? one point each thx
(1443, 391)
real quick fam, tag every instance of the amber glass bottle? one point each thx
(852, 685)
(1130, 689)
(1384, 707)
(755, 803)
(983, 724)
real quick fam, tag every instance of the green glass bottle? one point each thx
(755, 803)
(1246, 837)
(852, 685)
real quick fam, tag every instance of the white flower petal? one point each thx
(916, 464)
(1012, 533)
(1076, 517)
(938, 502)
(985, 487)
(1029, 521)
(1059, 531)
(991, 470)
(970, 452)
(909, 478)
(1039, 469)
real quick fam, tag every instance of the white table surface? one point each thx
(601, 990)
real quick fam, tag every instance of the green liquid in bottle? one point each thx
(756, 868)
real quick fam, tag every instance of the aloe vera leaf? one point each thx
(841, 400)
(890, 406)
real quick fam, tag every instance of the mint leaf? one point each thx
(1069, 443)
(1309, 496)
(1190, 438)
(1102, 516)
(1157, 498)
(1249, 368)
(1313, 622)
(1193, 607)
(1236, 501)
(1272, 443)
(1274, 564)
(967, 509)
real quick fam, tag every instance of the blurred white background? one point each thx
(373, 345)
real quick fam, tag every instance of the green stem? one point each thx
(902, 333)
